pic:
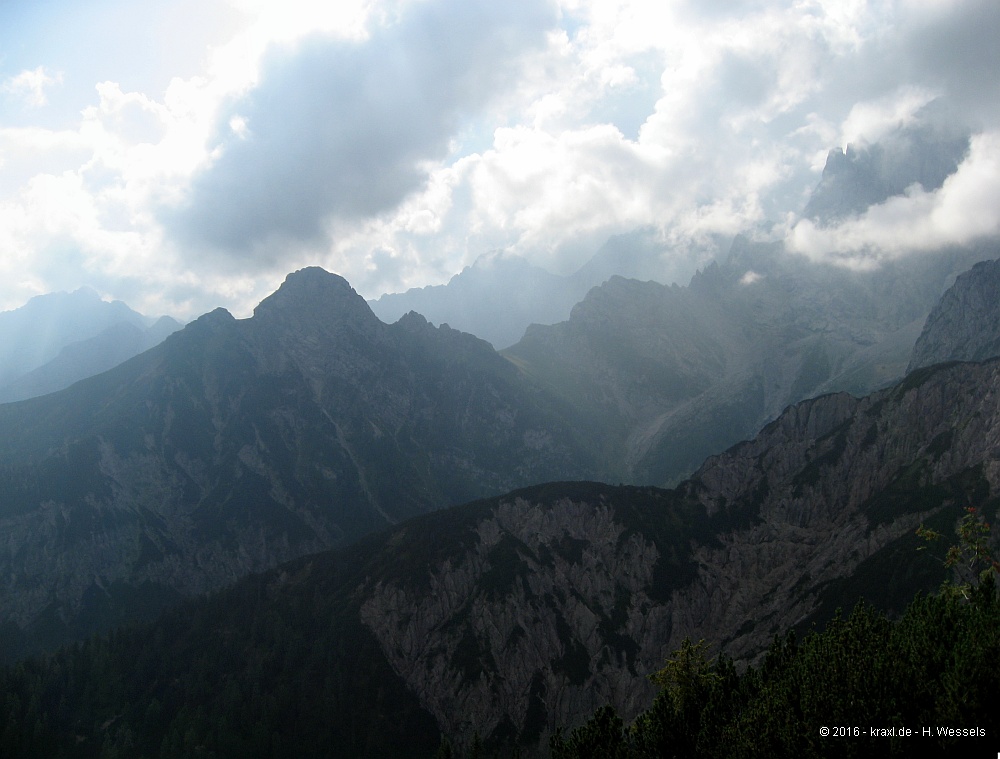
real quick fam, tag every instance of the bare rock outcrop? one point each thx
(555, 606)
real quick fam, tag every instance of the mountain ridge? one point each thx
(237, 444)
(503, 619)
(674, 374)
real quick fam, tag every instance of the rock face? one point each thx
(965, 324)
(674, 374)
(514, 625)
(238, 444)
(550, 604)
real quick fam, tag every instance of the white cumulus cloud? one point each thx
(29, 86)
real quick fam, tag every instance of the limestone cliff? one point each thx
(551, 603)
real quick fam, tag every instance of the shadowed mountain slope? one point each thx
(511, 616)
(238, 444)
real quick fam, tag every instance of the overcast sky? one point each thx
(186, 154)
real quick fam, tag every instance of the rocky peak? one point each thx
(215, 316)
(411, 321)
(216, 321)
(315, 296)
(861, 176)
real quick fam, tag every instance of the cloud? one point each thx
(871, 120)
(29, 86)
(963, 210)
(342, 129)
(395, 141)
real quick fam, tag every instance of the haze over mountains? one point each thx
(500, 296)
(716, 355)
(56, 339)
(675, 374)
(237, 444)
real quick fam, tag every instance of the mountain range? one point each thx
(235, 445)
(374, 535)
(498, 621)
(57, 339)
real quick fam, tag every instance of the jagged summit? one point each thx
(412, 321)
(864, 175)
